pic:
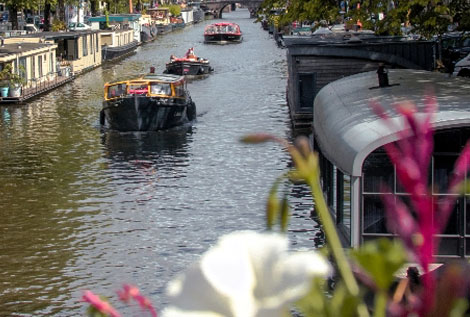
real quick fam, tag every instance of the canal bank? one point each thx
(84, 208)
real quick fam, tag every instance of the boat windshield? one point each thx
(160, 89)
(138, 89)
(117, 90)
(179, 89)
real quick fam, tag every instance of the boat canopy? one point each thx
(348, 130)
(150, 85)
(222, 27)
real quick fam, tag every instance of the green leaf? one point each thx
(284, 214)
(381, 258)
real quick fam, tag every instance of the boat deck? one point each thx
(40, 88)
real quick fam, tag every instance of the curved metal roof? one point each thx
(347, 129)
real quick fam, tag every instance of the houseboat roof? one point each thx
(116, 18)
(395, 50)
(17, 48)
(59, 35)
(348, 130)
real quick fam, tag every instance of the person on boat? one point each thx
(172, 57)
(190, 54)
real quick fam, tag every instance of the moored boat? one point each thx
(190, 64)
(148, 103)
(222, 33)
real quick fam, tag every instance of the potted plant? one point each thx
(16, 81)
(4, 77)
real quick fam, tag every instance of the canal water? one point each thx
(83, 208)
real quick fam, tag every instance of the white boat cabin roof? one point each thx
(348, 130)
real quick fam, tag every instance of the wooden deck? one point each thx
(40, 88)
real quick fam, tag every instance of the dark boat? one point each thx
(148, 103)
(222, 33)
(190, 64)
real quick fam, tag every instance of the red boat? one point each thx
(222, 33)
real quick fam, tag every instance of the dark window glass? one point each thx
(307, 84)
(454, 221)
(377, 171)
(447, 141)
(374, 216)
(443, 166)
(346, 216)
(448, 246)
(467, 247)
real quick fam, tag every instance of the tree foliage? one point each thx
(425, 17)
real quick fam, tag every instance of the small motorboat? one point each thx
(190, 64)
(223, 33)
(147, 103)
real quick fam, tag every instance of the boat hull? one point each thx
(110, 53)
(141, 113)
(222, 38)
(188, 68)
(164, 28)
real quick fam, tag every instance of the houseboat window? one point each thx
(442, 171)
(374, 217)
(40, 66)
(455, 238)
(343, 203)
(33, 67)
(160, 89)
(117, 90)
(179, 90)
(51, 64)
(306, 86)
(85, 45)
(378, 172)
(22, 69)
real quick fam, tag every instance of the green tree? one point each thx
(15, 6)
(427, 17)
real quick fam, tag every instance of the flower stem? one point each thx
(334, 241)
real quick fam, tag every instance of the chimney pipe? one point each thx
(382, 74)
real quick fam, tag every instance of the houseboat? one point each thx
(161, 18)
(190, 64)
(317, 60)
(77, 51)
(28, 69)
(117, 44)
(349, 136)
(222, 33)
(148, 103)
(130, 21)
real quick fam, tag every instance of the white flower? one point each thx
(246, 274)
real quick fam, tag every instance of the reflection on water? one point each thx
(85, 208)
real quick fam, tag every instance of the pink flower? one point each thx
(131, 292)
(102, 306)
(411, 155)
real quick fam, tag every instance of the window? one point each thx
(33, 66)
(85, 45)
(117, 90)
(22, 69)
(377, 170)
(97, 42)
(306, 88)
(40, 66)
(51, 64)
(160, 89)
